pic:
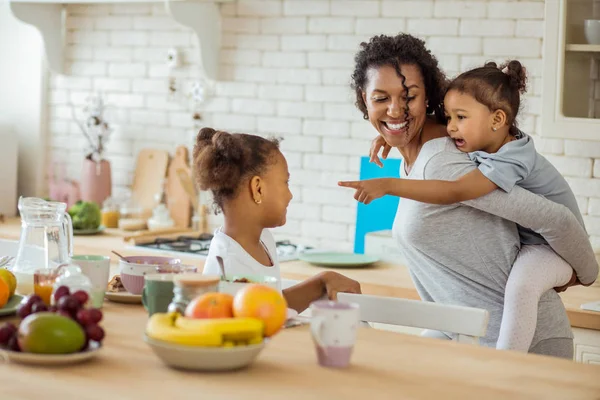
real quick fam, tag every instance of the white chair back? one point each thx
(467, 322)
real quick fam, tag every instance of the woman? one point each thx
(462, 253)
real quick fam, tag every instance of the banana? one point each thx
(231, 329)
(173, 328)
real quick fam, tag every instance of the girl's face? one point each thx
(469, 123)
(398, 115)
(275, 191)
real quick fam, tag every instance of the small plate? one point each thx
(339, 260)
(124, 297)
(51, 359)
(12, 305)
(89, 231)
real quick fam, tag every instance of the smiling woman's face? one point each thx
(386, 100)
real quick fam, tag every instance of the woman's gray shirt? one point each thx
(462, 253)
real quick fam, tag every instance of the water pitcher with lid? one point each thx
(46, 239)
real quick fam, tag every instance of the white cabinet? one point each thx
(571, 77)
(587, 346)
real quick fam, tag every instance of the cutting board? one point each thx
(150, 171)
(178, 200)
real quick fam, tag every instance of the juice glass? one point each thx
(43, 280)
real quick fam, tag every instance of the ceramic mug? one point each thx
(158, 292)
(333, 326)
(97, 268)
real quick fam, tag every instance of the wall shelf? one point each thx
(583, 48)
(48, 17)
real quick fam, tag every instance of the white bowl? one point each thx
(204, 358)
(592, 31)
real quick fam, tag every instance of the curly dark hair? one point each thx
(496, 87)
(402, 49)
(222, 160)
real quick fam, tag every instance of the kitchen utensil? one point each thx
(5, 260)
(222, 267)
(204, 358)
(178, 201)
(46, 230)
(118, 255)
(333, 327)
(186, 182)
(150, 169)
(338, 260)
(51, 359)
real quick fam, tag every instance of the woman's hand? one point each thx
(369, 189)
(335, 283)
(376, 145)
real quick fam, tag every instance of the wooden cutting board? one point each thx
(178, 200)
(150, 171)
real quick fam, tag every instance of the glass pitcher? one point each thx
(46, 239)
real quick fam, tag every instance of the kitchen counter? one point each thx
(383, 279)
(385, 365)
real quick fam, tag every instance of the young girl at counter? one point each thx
(249, 180)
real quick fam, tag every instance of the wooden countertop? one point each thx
(384, 365)
(382, 279)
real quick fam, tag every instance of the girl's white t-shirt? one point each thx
(237, 261)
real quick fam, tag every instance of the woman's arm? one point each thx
(467, 187)
(555, 222)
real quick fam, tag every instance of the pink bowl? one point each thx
(134, 284)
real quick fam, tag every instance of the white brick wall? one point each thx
(285, 70)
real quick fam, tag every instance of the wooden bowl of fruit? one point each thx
(64, 333)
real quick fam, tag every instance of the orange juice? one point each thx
(44, 291)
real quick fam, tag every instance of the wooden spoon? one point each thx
(118, 255)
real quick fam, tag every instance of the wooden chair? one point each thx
(467, 322)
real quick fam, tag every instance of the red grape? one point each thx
(84, 317)
(38, 307)
(34, 298)
(95, 315)
(81, 296)
(24, 309)
(53, 309)
(94, 332)
(64, 313)
(13, 344)
(68, 303)
(60, 292)
(6, 332)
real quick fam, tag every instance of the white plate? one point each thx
(51, 359)
(124, 297)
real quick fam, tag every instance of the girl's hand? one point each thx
(335, 283)
(376, 145)
(368, 190)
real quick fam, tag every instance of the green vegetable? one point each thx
(85, 215)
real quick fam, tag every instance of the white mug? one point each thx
(333, 327)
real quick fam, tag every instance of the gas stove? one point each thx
(197, 246)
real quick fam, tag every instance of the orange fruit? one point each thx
(210, 305)
(4, 293)
(261, 302)
(10, 280)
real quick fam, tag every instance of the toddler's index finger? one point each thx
(349, 184)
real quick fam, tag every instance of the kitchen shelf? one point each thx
(48, 16)
(583, 48)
